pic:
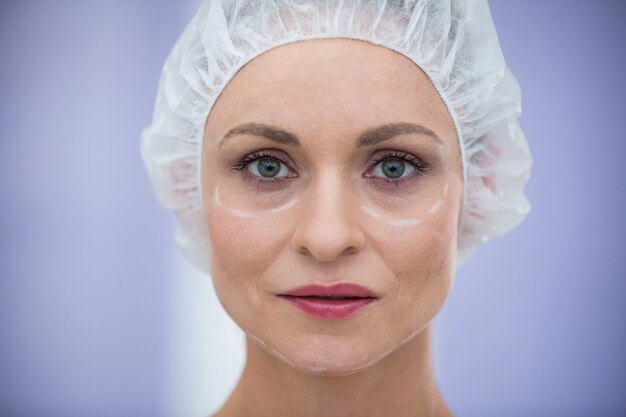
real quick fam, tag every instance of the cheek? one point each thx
(423, 259)
(243, 248)
(423, 248)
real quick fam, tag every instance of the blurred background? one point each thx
(101, 316)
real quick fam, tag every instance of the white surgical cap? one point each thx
(453, 41)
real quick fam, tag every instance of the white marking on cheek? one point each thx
(370, 212)
(217, 197)
(404, 222)
(435, 206)
(445, 188)
(284, 206)
(242, 214)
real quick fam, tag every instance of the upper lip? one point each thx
(344, 289)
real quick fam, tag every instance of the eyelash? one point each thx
(421, 168)
(267, 183)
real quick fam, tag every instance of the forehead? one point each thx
(330, 84)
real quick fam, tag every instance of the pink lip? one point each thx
(343, 289)
(313, 299)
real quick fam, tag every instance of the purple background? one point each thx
(535, 325)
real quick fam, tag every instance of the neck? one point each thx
(401, 384)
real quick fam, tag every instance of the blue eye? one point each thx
(268, 168)
(394, 168)
(266, 171)
(264, 165)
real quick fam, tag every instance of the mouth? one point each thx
(343, 289)
(331, 308)
(327, 300)
(335, 302)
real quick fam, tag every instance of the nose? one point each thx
(329, 226)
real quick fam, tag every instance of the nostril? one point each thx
(327, 232)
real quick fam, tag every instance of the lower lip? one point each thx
(328, 308)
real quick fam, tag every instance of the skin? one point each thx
(377, 362)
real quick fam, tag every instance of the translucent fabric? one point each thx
(453, 41)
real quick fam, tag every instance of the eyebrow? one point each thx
(369, 137)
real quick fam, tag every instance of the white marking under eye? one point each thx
(370, 212)
(445, 188)
(285, 206)
(404, 222)
(435, 206)
(242, 214)
(217, 197)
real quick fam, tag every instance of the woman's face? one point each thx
(331, 161)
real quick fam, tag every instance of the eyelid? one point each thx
(384, 154)
(266, 153)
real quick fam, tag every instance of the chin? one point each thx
(328, 355)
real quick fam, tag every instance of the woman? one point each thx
(331, 164)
